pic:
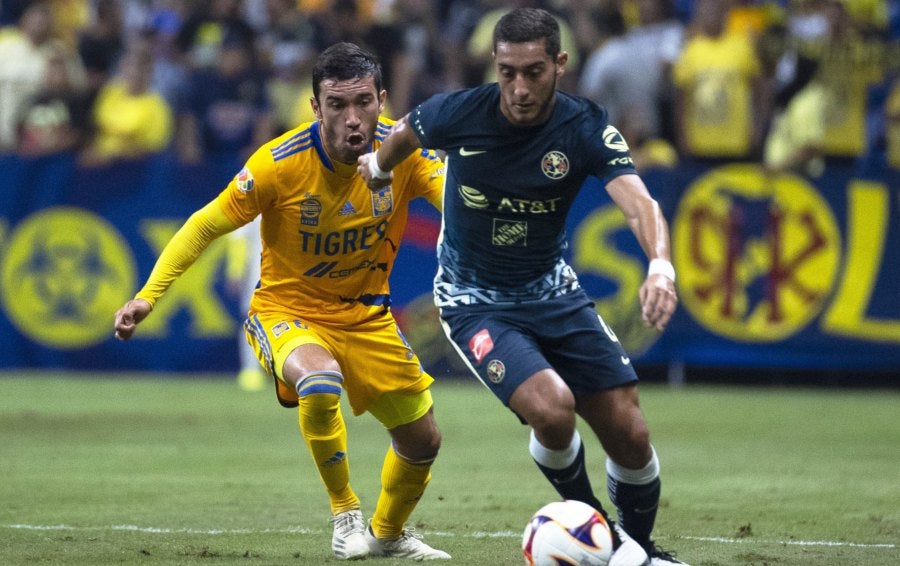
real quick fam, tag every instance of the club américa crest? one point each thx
(555, 164)
(496, 371)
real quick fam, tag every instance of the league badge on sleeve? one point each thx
(244, 180)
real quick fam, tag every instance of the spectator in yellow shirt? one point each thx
(721, 99)
(130, 119)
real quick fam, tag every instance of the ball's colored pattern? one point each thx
(566, 533)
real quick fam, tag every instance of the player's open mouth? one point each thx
(356, 139)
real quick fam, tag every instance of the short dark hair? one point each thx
(529, 24)
(344, 61)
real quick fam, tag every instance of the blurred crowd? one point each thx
(790, 84)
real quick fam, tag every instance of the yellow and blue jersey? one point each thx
(329, 242)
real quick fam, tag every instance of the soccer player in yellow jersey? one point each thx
(320, 321)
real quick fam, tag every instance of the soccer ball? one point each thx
(567, 533)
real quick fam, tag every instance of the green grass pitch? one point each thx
(145, 469)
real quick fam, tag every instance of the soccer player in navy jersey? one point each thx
(518, 151)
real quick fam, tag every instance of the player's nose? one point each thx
(352, 119)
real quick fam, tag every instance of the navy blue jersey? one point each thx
(508, 190)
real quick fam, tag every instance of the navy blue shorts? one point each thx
(506, 344)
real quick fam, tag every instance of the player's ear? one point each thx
(314, 104)
(382, 98)
(561, 61)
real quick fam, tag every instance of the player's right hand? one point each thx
(128, 317)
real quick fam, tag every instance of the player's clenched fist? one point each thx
(128, 317)
(367, 167)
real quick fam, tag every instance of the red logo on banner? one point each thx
(481, 344)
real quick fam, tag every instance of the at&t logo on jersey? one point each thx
(555, 164)
(472, 197)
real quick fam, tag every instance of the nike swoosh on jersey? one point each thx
(626, 360)
(465, 152)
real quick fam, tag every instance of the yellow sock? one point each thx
(323, 429)
(402, 485)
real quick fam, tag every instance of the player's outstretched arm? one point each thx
(178, 255)
(128, 317)
(375, 168)
(657, 294)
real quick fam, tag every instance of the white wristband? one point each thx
(375, 170)
(662, 267)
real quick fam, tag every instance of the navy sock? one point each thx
(636, 506)
(572, 482)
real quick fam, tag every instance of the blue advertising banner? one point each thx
(772, 272)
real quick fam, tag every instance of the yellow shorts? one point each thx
(374, 357)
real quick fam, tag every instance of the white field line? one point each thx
(475, 534)
(726, 540)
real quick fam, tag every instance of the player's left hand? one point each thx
(658, 301)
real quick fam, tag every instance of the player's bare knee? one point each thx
(418, 441)
(421, 450)
(630, 447)
(301, 364)
(554, 428)
(427, 442)
(429, 449)
(640, 442)
(551, 413)
(637, 431)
